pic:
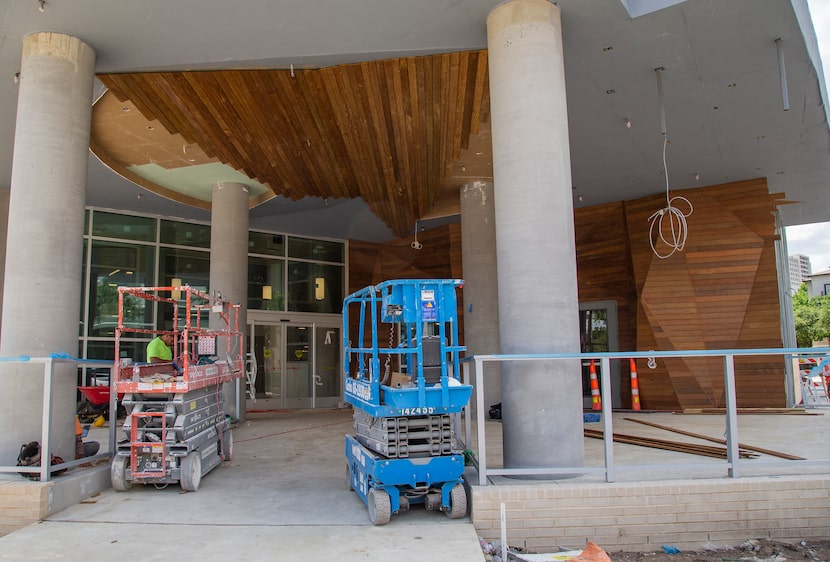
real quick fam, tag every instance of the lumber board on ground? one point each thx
(677, 446)
(718, 440)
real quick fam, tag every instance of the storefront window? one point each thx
(127, 227)
(265, 284)
(184, 234)
(317, 250)
(186, 267)
(266, 244)
(314, 287)
(112, 265)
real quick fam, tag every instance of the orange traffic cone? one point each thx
(596, 399)
(635, 387)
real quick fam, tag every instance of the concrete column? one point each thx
(42, 288)
(481, 289)
(229, 271)
(538, 306)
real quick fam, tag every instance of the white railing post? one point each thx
(468, 430)
(46, 421)
(480, 436)
(732, 452)
(607, 413)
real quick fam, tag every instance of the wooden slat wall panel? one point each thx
(720, 293)
(717, 294)
(604, 270)
(386, 131)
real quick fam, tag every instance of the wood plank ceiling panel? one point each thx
(387, 131)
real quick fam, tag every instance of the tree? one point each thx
(812, 317)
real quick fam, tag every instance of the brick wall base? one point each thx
(22, 502)
(643, 516)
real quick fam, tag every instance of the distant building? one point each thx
(800, 270)
(818, 284)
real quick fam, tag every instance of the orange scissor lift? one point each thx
(176, 429)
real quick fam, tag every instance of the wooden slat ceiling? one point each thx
(387, 131)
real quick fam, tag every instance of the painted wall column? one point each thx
(42, 289)
(481, 289)
(538, 304)
(229, 271)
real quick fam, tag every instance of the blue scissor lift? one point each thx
(407, 397)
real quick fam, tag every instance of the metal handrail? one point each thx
(733, 462)
(46, 468)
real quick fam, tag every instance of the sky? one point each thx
(813, 240)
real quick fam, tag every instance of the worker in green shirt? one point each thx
(159, 350)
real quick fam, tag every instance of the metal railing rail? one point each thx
(46, 469)
(609, 469)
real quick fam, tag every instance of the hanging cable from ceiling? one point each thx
(668, 225)
(415, 245)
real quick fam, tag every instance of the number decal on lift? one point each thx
(417, 411)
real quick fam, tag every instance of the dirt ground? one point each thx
(752, 550)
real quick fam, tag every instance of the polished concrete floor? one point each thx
(283, 496)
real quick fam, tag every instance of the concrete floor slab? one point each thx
(283, 496)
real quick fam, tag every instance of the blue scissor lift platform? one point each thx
(407, 397)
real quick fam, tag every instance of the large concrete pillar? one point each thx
(42, 289)
(538, 306)
(481, 289)
(229, 271)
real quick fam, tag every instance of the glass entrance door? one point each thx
(267, 348)
(298, 366)
(327, 379)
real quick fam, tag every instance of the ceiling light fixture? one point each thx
(41, 6)
(627, 123)
(16, 78)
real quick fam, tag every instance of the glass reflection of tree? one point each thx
(593, 330)
(593, 337)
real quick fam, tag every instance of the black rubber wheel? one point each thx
(190, 472)
(349, 486)
(458, 502)
(118, 473)
(380, 507)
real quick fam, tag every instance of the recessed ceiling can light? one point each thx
(627, 123)
(611, 91)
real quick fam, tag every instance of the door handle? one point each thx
(317, 380)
